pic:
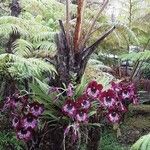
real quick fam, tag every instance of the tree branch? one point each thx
(67, 19)
(92, 25)
(88, 51)
(78, 28)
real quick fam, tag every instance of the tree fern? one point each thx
(7, 29)
(140, 56)
(20, 67)
(22, 47)
(27, 28)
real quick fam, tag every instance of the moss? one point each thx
(109, 141)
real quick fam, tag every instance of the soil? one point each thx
(136, 124)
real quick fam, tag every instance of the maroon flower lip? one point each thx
(81, 116)
(36, 109)
(83, 102)
(116, 86)
(93, 89)
(108, 99)
(69, 108)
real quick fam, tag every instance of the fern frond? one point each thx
(26, 67)
(46, 45)
(7, 29)
(22, 47)
(27, 28)
(140, 56)
(43, 35)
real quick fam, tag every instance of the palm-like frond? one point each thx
(140, 56)
(27, 28)
(26, 67)
(22, 47)
(8, 28)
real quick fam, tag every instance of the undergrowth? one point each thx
(8, 141)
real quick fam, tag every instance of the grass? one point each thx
(8, 141)
(109, 141)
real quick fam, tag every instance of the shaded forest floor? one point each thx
(136, 124)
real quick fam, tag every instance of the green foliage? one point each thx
(109, 141)
(8, 140)
(140, 56)
(142, 144)
(41, 94)
(36, 42)
(20, 67)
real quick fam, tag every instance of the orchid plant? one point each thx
(24, 115)
(111, 102)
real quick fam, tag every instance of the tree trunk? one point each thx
(15, 11)
(10, 86)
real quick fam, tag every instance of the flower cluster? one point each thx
(113, 101)
(78, 109)
(24, 115)
(117, 100)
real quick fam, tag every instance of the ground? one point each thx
(136, 124)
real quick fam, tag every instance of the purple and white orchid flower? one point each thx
(83, 102)
(69, 108)
(36, 109)
(113, 117)
(24, 134)
(93, 90)
(81, 116)
(29, 121)
(108, 99)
